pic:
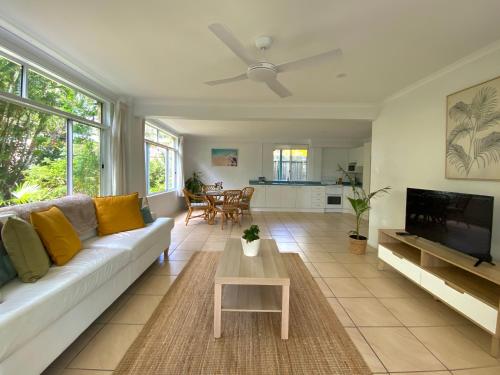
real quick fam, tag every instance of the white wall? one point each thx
(197, 158)
(332, 157)
(408, 146)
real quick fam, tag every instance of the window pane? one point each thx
(151, 133)
(166, 139)
(276, 164)
(299, 165)
(171, 170)
(32, 155)
(10, 76)
(63, 97)
(157, 168)
(86, 160)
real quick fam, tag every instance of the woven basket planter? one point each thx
(357, 246)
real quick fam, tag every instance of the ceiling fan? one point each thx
(264, 71)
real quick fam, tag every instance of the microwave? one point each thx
(351, 167)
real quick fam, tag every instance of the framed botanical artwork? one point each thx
(225, 157)
(473, 132)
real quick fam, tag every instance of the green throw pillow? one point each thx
(146, 215)
(7, 270)
(25, 249)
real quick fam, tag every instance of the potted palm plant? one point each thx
(360, 202)
(250, 241)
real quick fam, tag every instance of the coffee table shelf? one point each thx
(251, 298)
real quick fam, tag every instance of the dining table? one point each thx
(213, 196)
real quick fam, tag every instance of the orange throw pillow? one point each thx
(118, 213)
(57, 234)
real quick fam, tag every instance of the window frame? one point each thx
(70, 118)
(279, 176)
(175, 149)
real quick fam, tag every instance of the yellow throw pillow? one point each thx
(118, 213)
(58, 235)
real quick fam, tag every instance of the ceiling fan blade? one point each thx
(278, 88)
(233, 44)
(308, 61)
(241, 77)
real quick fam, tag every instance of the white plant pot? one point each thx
(250, 249)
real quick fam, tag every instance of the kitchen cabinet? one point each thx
(303, 195)
(288, 196)
(259, 196)
(318, 197)
(356, 155)
(346, 205)
(273, 196)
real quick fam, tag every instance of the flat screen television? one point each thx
(462, 222)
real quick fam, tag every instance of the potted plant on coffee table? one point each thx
(360, 202)
(250, 241)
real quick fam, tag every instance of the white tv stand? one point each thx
(448, 275)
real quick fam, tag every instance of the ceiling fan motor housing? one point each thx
(262, 72)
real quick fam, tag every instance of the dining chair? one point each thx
(196, 203)
(216, 201)
(246, 197)
(230, 208)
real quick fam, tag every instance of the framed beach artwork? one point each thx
(225, 157)
(473, 132)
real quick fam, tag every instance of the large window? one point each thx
(50, 136)
(161, 156)
(290, 164)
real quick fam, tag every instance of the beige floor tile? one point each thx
(331, 269)
(312, 270)
(137, 310)
(350, 258)
(422, 312)
(180, 255)
(169, 267)
(324, 288)
(385, 288)
(107, 348)
(365, 270)
(154, 285)
(106, 316)
(399, 350)
(72, 351)
(422, 373)
(476, 334)
(341, 314)
(316, 256)
(452, 348)
(190, 246)
(347, 287)
(214, 246)
(311, 247)
(368, 312)
(478, 371)
(366, 351)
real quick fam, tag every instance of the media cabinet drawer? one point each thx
(476, 310)
(407, 268)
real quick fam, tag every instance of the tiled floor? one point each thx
(396, 326)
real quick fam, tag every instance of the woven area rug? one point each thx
(178, 338)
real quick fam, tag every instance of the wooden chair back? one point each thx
(247, 193)
(190, 197)
(209, 188)
(232, 199)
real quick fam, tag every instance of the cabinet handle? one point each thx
(456, 288)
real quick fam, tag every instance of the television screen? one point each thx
(460, 221)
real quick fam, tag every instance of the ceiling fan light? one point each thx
(262, 72)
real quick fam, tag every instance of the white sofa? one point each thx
(39, 321)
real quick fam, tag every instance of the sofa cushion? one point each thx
(136, 241)
(25, 249)
(29, 308)
(78, 208)
(57, 234)
(118, 213)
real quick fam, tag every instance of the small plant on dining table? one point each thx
(251, 234)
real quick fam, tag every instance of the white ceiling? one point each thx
(163, 49)
(316, 132)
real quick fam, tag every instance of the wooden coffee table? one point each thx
(251, 284)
